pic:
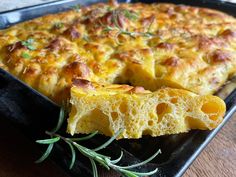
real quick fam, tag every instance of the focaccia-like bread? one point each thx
(149, 45)
(109, 108)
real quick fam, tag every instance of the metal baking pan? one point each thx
(34, 113)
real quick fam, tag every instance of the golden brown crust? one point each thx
(178, 46)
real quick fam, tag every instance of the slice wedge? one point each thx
(109, 108)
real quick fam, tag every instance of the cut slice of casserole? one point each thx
(109, 108)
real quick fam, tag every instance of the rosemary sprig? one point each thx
(130, 15)
(92, 154)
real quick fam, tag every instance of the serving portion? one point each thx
(110, 108)
(148, 45)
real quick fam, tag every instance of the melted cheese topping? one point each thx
(149, 45)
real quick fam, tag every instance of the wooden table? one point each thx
(17, 156)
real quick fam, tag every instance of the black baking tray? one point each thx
(34, 113)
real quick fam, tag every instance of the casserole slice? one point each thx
(109, 108)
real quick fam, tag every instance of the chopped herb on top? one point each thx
(109, 8)
(58, 25)
(77, 8)
(86, 38)
(25, 55)
(117, 27)
(28, 43)
(130, 14)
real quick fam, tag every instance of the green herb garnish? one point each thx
(29, 44)
(86, 38)
(77, 8)
(92, 154)
(26, 55)
(58, 25)
(119, 29)
(130, 14)
(109, 8)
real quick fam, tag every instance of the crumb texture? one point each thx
(166, 111)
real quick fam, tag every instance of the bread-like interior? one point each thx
(149, 45)
(109, 108)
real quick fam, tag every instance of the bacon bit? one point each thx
(172, 61)
(77, 69)
(170, 11)
(72, 33)
(148, 20)
(180, 8)
(54, 44)
(137, 89)
(165, 45)
(15, 46)
(107, 19)
(82, 83)
(145, 51)
(91, 46)
(113, 2)
(228, 34)
(121, 19)
(220, 56)
(31, 71)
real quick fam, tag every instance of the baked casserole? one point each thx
(159, 48)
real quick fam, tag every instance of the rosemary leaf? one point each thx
(146, 173)
(118, 159)
(60, 120)
(128, 173)
(109, 141)
(46, 154)
(73, 155)
(85, 137)
(94, 167)
(92, 154)
(48, 141)
(130, 15)
(143, 162)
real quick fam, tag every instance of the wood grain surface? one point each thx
(17, 155)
